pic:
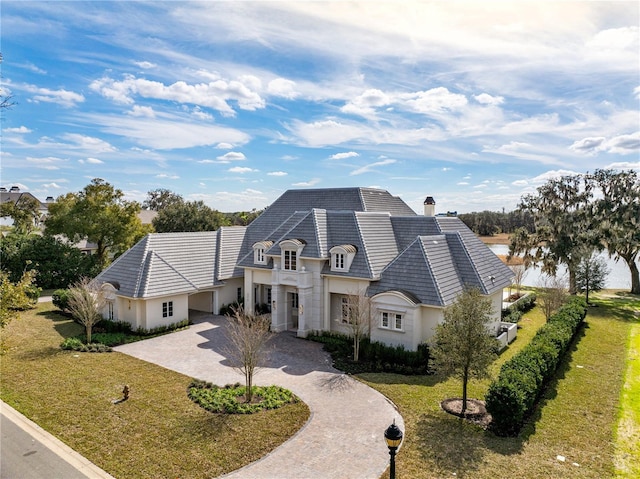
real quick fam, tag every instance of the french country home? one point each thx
(303, 257)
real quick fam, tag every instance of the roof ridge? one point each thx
(436, 283)
(142, 271)
(460, 238)
(364, 244)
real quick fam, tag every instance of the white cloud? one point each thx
(214, 94)
(46, 163)
(342, 156)
(232, 156)
(588, 145)
(486, 99)
(283, 88)
(145, 111)
(366, 103)
(52, 185)
(624, 165)
(91, 161)
(241, 169)
(61, 97)
(224, 146)
(435, 100)
(168, 177)
(277, 173)
(20, 129)
(462, 183)
(146, 65)
(166, 134)
(89, 143)
(370, 167)
(311, 182)
(198, 113)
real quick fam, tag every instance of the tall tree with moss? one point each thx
(463, 345)
(617, 214)
(161, 198)
(98, 214)
(563, 217)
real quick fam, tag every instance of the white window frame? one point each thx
(392, 318)
(290, 260)
(259, 256)
(342, 257)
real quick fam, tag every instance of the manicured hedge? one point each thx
(374, 355)
(513, 312)
(511, 398)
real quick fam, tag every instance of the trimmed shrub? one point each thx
(74, 344)
(522, 305)
(229, 399)
(228, 309)
(60, 299)
(512, 396)
(374, 356)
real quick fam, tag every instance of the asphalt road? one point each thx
(22, 456)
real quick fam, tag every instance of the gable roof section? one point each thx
(170, 263)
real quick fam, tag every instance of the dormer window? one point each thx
(290, 260)
(342, 256)
(291, 250)
(259, 251)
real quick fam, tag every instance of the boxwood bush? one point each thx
(513, 312)
(512, 396)
(374, 355)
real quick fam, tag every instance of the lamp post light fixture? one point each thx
(393, 437)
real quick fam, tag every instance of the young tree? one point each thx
(16, 297)
(552, 294)
(357, 314)
(248, 336)
(563, 219)
(188, 216)
(463, 345)
(86, 301)
(98, 214)
(519, 272)
(591, 274)
(618, 217)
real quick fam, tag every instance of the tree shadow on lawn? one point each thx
(457, 446)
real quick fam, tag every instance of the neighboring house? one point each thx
(303, 257)
(16, 196)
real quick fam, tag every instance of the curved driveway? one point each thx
(344, 435)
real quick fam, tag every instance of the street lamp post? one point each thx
(393, 436)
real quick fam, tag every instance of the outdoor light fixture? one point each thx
(393, 437)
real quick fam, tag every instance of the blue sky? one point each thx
(232, 103)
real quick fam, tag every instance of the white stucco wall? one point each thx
(396, 303)
(229, 292)
(154, 310)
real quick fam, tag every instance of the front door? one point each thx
(293, 311)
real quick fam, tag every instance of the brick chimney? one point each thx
(429, 206)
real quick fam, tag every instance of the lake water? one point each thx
(619, 276)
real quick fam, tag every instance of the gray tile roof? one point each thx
(430, 259)
(172, 263)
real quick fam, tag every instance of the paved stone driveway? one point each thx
(344, 435)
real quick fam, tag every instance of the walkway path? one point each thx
(344, 435)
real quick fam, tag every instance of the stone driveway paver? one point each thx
(344, 435)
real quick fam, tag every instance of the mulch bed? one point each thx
(476, 411)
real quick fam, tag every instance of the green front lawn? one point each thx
(577, 417)
(158, 432)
